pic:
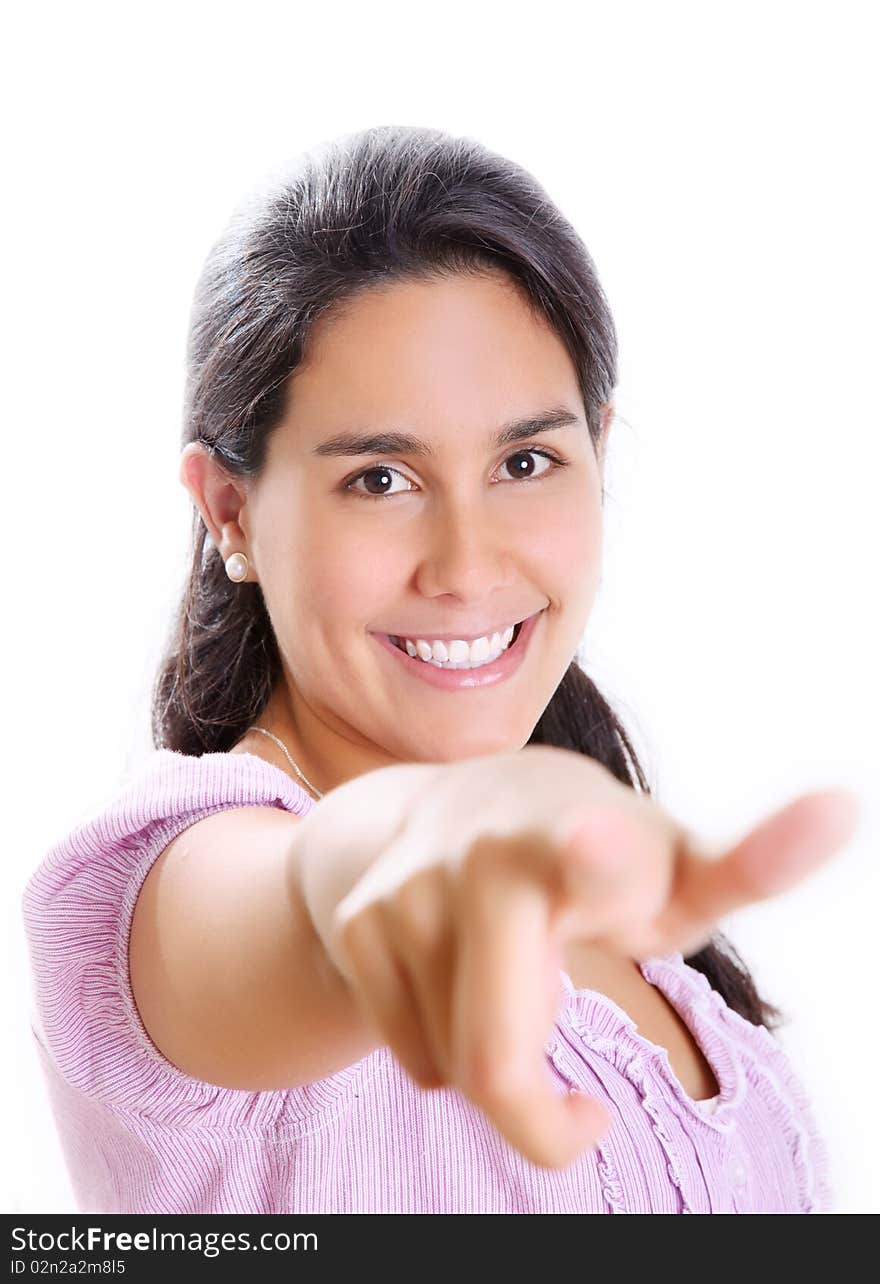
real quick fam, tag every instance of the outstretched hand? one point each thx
(453, 940)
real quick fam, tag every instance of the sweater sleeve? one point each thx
(77, 908)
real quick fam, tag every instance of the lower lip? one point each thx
(466, 679)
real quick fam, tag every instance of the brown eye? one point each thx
(376, 482)
(381, 477)
(520, 466)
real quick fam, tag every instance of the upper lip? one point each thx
(461, 635)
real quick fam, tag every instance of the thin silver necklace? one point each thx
(283, 748)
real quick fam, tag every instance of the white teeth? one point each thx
(479, 650)
(459, 654)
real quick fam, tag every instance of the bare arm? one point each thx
(231, 980)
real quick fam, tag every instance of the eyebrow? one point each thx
(401, 443)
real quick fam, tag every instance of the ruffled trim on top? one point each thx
(772, 1074)
(604, 1026)
(739, 1054)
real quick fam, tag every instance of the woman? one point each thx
(390, 922)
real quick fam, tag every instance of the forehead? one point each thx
(466, 351)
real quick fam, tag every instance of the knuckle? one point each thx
(398, 1029)
(491, 1079)
(426, 1075)
(355, 931)
(404, 1040)
(479, 856)
(416, 911)
(392, 1015)
(491, 857)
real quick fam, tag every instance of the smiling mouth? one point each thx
(399, 643)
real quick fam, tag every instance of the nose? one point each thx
(466, 553)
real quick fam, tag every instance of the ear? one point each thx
(220, 498)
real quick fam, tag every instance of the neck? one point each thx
(326, 756)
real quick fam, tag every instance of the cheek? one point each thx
(565, 547)
(348, 577)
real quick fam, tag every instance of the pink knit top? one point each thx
(140, 1136)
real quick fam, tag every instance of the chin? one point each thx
(476, 742)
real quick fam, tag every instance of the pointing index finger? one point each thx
(779, 852)
(508, 973)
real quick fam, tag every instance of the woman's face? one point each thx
(455, 538)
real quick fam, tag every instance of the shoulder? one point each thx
(92, 869)
(78, 904)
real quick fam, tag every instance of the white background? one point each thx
(719, 162)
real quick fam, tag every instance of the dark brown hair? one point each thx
(389, 203)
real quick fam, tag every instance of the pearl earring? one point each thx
(237, 567)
